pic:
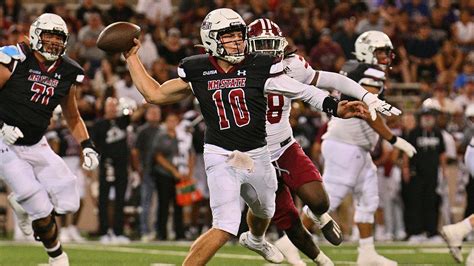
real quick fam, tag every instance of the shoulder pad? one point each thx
(374, 73)
(190, 66)
(349, 67)
(274, 62)
(9, 53)
(77, 68)
(295, 63)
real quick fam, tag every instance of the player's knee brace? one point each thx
(364, 212)
(46, 230)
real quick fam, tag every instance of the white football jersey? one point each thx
(352, 131)
(279, 132)
(356, 131)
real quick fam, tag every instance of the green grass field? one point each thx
(169, 253)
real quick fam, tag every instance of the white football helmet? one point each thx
(431, 104)
(216, 23)
(368, 42)
(50, 23)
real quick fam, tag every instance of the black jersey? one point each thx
(28, 98)
(233, 104)
(365, 75)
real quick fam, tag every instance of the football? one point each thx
(118, 37)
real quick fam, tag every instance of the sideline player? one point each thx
(34, 79)
(230, 86)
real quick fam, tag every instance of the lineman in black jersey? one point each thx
(348, 143)
(34, 79)
(230, 86)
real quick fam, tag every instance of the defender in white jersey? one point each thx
(296, 170)
(346, 146)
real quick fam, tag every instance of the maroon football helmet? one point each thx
(264, 36)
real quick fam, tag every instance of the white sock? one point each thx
(257, 240)
(367, 243)
(288, 250)
(321, 257)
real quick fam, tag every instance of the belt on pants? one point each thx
(285, 142)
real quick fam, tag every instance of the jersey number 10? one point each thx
(238, 105)
(41, 92)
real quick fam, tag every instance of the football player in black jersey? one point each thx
(230, 86)
(34, 79)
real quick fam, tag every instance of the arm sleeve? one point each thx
(299, 69)
(341, 83)
(293, 89)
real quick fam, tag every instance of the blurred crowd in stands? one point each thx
(147, 149)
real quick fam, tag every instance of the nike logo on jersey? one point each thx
(226, 83)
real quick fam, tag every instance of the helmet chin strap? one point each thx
(233, 59)
(49, 57)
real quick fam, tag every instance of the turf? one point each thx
(169, 253)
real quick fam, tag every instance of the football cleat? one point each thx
(454, 239)
(61, 260)
(369, 257)
(268, 251)
(330, 229)
(74, 234)
(470, 258)
(323, 260)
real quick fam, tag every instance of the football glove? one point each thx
(9, 53)
(404, 146)
(91, 156)
(376, 105)
(10, 134)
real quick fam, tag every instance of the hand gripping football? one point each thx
(118, 37)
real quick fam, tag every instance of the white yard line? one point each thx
(348, 250)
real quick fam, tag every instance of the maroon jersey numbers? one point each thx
(275, 104)
(237, 104)
(41, 92)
